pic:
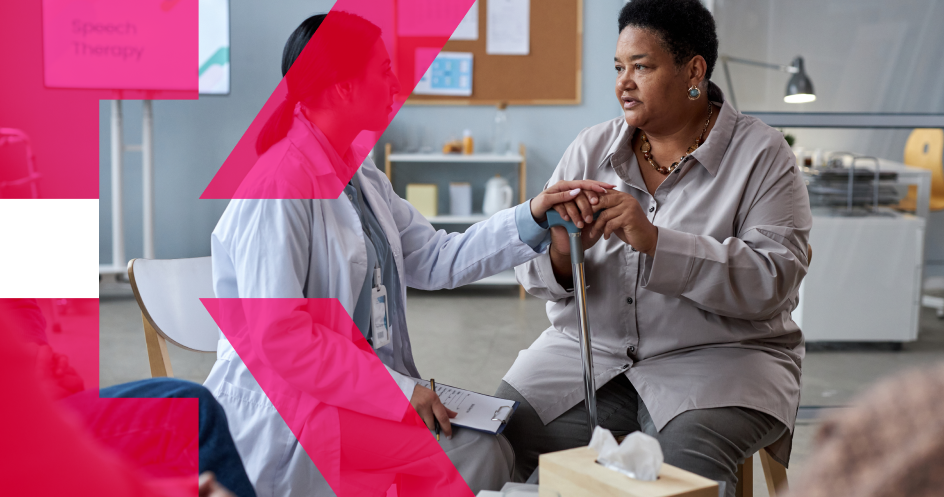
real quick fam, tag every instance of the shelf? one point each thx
(496, 158)
(474, 218)
(502, 278)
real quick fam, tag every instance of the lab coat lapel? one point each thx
(385, 218)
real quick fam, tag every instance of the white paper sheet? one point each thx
(449, 74)
(509, 27)
(468, 28)
(475, 410)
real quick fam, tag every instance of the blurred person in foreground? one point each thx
(889, 442)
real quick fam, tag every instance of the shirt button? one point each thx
(350, 197)
(652, 209)
(632, 249)
(631, 350)
(629, 300)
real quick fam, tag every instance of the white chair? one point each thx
(168, 292)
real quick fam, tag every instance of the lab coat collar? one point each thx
(300, 134)
(709, 154)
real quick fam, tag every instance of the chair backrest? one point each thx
(169, 292)
(925, 149)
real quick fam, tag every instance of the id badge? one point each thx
(379, 322)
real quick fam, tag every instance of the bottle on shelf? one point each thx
(500, 142)
(468, 145)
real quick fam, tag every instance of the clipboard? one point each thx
(476, 411)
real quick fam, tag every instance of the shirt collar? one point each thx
(709, 154)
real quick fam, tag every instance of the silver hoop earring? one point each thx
(694, 93)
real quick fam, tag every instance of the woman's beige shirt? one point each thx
(706, 321)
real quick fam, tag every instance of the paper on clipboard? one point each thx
(476, 411)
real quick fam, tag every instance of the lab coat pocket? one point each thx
(262, 438)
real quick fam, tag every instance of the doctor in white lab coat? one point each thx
(276, 242)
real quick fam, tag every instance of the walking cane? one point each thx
(583, 322)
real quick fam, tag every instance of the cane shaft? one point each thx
(583, 324)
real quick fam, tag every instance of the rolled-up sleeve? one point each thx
(750, 276)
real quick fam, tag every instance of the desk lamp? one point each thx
(799, 87)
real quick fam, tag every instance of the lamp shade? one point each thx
(799, 88)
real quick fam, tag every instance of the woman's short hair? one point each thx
(686, 27)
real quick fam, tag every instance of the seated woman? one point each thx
(691, 289)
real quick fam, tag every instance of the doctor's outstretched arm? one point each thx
(435, 259)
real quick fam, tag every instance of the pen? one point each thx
(432, 386)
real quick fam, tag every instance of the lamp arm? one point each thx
(779, 67)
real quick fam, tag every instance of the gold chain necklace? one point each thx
(646, 148)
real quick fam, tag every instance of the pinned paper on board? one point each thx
(468, 28)
(214, 47)
(449, 74)
(508, 27)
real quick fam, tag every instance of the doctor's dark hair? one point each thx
(686, 27)
(340, 53)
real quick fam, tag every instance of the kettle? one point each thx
(498, 195)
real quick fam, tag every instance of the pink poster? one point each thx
(117, 44)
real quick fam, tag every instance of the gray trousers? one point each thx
(707, 442)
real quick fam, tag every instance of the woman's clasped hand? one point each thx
(621, 216)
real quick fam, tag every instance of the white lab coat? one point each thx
(316, 249)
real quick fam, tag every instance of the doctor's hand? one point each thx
(428, 406)
(209, 487)
(571, 199)
(624, 217)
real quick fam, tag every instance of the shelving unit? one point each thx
(505, 278)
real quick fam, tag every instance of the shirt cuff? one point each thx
(670, 269)
(530, 232)
(405, 383)
(546, 272)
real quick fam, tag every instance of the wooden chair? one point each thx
(925, 149)
(168, 293)
(774, 473)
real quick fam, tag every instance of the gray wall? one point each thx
(193, 138)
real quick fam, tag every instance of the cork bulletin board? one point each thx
(549, 75)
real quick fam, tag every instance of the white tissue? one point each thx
(639, 456)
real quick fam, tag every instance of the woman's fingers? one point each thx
(442, 415)
(562, 211)
(583, 184)
(586, 210)
(426, 413)
(614, 225)
(597, 229)
(573, 212)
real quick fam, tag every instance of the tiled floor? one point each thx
(469, 338)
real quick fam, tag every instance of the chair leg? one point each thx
(158, 358)
(745, 479)
(774, 473)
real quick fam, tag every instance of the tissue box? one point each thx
(575, 473)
